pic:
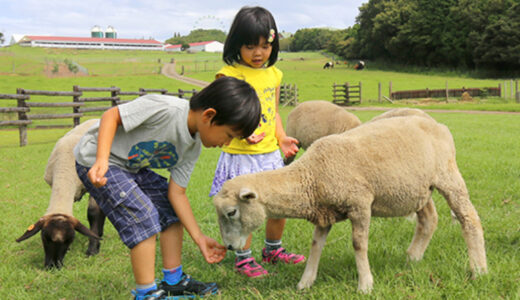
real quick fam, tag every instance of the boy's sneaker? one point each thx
(189, 288)
(151, 295)
(250, 268)
(282, 255)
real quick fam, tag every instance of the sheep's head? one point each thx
(57, 233)
(239, 213)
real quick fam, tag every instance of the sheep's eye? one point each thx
(232, 213)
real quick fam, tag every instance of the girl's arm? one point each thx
(107, 130)
(287, 144)
(212, 251)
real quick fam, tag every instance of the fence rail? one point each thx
(444, 93)
(346, 94)
(288, 94)
(80, 105)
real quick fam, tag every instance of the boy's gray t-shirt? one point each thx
(154, 135)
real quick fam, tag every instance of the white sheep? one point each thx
(402, 112)
(387, 168)
(58, 223)
(311, 120)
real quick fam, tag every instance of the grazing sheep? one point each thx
(328, 65)
(387, 168)
(58, 224)
(312, 120)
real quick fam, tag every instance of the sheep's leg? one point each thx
(311, 268)
(96, 219)
(424, 229)
(454, 190)
(360, 220)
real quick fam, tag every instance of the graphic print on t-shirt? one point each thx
(152, 154)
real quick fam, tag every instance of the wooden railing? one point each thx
(346, 94)
(28, 111)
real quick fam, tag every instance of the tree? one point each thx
(2, 39)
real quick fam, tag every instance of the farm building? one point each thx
(173, 48)
(209, 46)
(90, 43)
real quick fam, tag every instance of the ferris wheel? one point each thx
(209, 22)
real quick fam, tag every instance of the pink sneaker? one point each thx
(281, 255)
(250, 268)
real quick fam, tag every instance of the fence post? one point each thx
(379, 92)
(75, 109)
(22, 116)
(360, 92)
(447, 95)
(517, 94)
(181, 93)
(511, 90)
(499, 90)
(114, 94)
(347, 93)
(390, 90)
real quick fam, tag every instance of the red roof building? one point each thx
(90, 43)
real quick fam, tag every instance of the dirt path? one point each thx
(168, 70)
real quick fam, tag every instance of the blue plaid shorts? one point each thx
(135, 203)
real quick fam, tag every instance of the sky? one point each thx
(160, 19)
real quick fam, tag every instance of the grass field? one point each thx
(487, 153)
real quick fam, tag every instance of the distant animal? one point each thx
(58, 225)
(360, 65)
(328, 65)
(311, 120)
(387, 168)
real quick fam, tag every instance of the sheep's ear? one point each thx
(31, 230)
(83, 229)
(247, 195)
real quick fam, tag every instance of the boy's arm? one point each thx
(107, 130)
(212, 251)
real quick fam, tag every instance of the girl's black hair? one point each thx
(235, 102)
(249, 25)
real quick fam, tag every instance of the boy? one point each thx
(158, 131)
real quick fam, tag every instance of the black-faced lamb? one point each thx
(311, 120)
(387, 168)
(58, 225)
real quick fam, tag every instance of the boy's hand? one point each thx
(96, 174)
(212, 251)
(289, 146)
(255, 138)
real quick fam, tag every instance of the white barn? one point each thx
(209, 46)
(90, 43)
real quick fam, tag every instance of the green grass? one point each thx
(487, 154)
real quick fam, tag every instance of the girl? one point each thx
(250, 51)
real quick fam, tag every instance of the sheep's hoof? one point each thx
(303, 285)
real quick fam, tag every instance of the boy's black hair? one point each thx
(235, 101)
(249, 25)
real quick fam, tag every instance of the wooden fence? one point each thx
(28, 111)
(346, 94)
(445, 93)
(288, 94)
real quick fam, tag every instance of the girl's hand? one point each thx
(289, 146)
(255, 138)
(96, 174)
(212, 251)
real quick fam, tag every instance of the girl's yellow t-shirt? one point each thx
(264, 81)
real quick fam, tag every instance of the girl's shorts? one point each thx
(135, 203)
(232, 165)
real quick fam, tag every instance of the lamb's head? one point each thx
(57, 233)
(239, 213)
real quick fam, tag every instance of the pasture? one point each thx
(487, 154)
